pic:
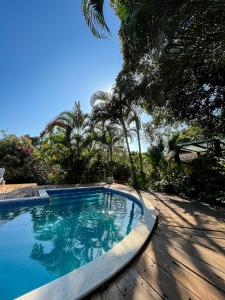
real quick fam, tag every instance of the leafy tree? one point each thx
(20, 159)
(53, 150)
(175, 50)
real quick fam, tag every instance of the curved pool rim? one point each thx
(84, 280)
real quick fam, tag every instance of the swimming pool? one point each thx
(44, 239)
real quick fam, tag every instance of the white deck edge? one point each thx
(84, 280)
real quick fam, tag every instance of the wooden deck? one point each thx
(17, 190)
(183, 259)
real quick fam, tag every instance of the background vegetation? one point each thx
(79, 148)
(174, 69)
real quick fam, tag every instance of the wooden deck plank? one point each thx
(191, 217)
(212, 234)
(162, 281)
(185, 276)
(203, 241)
(133, 286)
(111, 292)
(209, 256)
(200, 213)
(192, 231)
(199, 210)
(175, 217)
(95, 296)
(199, 267)
(174, 221)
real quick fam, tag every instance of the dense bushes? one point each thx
(207, 180)
(121, 173)
(20, 159)
(47, 161)
(203, 178)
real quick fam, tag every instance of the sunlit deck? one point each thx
(184, 258)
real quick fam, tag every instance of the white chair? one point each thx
(2, 172)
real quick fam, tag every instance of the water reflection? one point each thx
(69, 233)
(7, 214)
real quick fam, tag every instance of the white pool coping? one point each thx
(84, 280)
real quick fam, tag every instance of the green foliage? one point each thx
(207, 180)
(192, 133)
(174, 51)
(202, 179)
(122, 170)
(115, 107)
(20, 159)
(74, 143)
(173, 63)
(122, 173)
(156, 154)
(53, 151)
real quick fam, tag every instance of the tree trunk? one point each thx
(139, 148)
(111, 160)
(129, 152)
(108, 163)
(111, 153)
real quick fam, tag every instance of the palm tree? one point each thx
(75, 126)
(126, 82)
(113, 106)
(135, 118)
(110, 137)
(74, 123)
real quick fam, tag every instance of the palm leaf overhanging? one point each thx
(94, 17)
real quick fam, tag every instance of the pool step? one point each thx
(74, 191)
(68, 199)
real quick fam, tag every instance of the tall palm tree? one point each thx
(135, 118)
(76, 128)
(110, 137)
(113, 106)
(127, 83)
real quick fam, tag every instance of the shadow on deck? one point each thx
(183, 259)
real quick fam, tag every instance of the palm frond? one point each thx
(66, 117)
(100, 96)
(131, 119)
(94, 17)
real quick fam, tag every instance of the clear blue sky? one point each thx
(49, 59)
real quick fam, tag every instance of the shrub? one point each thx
(18, 156)
(121, 173)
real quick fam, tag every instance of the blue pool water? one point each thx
(41, 241)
